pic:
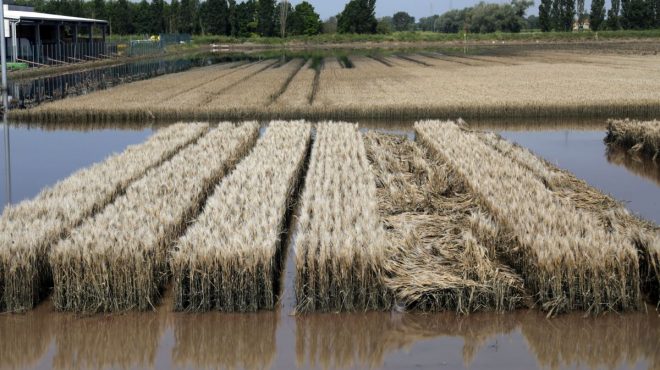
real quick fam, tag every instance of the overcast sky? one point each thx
(416, 8)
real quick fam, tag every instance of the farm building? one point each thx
(41, 38)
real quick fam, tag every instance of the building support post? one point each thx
(89, 41)
(37, 32)
(14, 43)
(3, 52)
(103, 49)
(75, 41)
(58, 40)
(5, 102)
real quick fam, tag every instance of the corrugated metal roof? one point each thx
(20, 15)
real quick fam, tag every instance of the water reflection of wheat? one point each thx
(124, 341)
(611, 341)
(364, 340)
(634, 163)
(227, 341)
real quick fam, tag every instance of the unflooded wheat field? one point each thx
(410, 85)
(380, 210)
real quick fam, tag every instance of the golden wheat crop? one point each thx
(230, 259)
(118, 260)
(406, 86)
(340, 247)
(612, 215)
(29, 229)
(567, 259)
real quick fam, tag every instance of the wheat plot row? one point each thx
(230, 259)
(456, 220)
(118, 259)
(29, 230)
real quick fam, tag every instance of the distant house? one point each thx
(41, 38)
(585, 24)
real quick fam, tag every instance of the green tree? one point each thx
(120, 18)
(613, 17)
(233, 18)
(581, 15)
(545, 19)
(98, 9)
(215, 17)
(246, 18)
(330, 25)
(566, 15)
(173, 17)
(142, 18)
(384, 26)
(402, 21)
(556, 14)
(428, 23)
(289, 18)
(157, 13)
(359, 16)
(266, 18)
(532, 23)
(485, 17)
(305, 20)
(637, 14)
(453, 21)
(597, 16)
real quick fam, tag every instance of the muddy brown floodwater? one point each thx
(525, 339)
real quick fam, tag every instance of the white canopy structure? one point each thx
(38, 38)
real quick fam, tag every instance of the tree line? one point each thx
(211, 17)
(562, 15)
(265, 17)
(481, 18)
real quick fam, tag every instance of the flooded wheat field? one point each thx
(44, 338)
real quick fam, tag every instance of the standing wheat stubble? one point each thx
(612, 215)
(118, 260)
(29, 229)
(341, 245)
(567, 260)
(228, 260)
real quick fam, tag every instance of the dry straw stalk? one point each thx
(566, 258)
(341, 245)
(118, 260)
(29, 229)
(230, 259)
(635, 136)
(435, 261)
